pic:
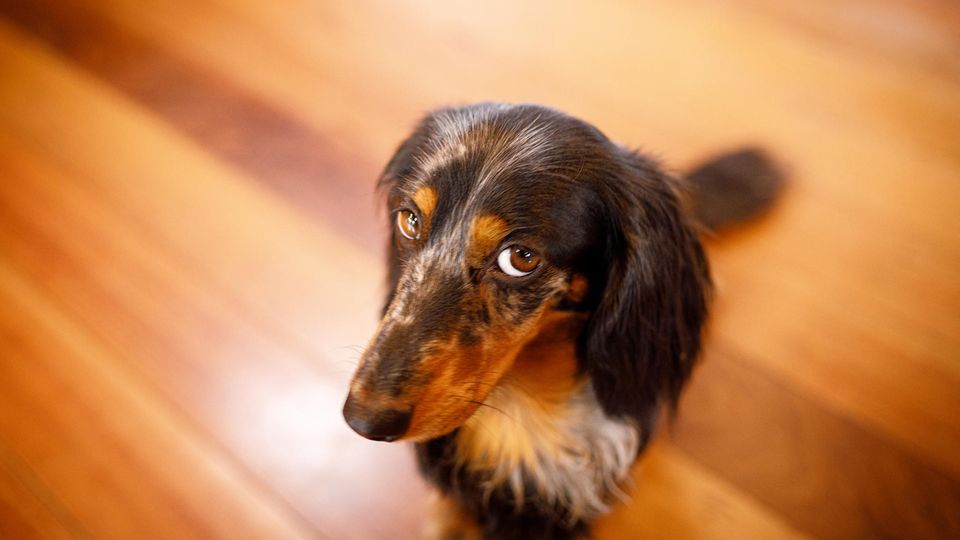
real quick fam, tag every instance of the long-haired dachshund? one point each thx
(547, 295)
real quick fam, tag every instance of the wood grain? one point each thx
(117, 475)
(190, 253)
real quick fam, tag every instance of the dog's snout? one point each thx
(376, 424)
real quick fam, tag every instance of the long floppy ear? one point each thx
(643, 337)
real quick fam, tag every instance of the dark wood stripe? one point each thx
(31, 364)
(28, 509)
(303, 165)
(825, 474)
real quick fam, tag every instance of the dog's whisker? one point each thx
(356, 348)
(352, 362)
(498, 409)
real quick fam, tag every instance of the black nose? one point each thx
(376, 424)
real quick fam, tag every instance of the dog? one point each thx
(547, 295)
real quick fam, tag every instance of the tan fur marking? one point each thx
(486, 232)
(578, 288)
(448, 521)
(426, 199)
(445, 401)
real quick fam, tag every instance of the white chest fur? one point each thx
(561, 448)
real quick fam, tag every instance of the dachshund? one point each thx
(547, 295)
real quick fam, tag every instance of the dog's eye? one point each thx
(518, 261)
(409, 224)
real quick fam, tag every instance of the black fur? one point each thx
(643, 337)
(734, 187)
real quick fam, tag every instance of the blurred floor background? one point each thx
(190, 255)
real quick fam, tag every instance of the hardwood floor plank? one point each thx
(28, 509)
(247, 240)
(675, 498)
(918, 33)
(897, 370)
(821, 472)
(304, 165)
(135, 474)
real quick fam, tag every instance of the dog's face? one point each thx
(502, 221)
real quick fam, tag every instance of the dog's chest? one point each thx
(557, 451)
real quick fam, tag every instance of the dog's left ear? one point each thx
(399, 165)
(401, 160)
(642, 339)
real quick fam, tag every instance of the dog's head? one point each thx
(506, 217)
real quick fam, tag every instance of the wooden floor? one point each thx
(190, 255)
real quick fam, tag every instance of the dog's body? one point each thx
(547, 296)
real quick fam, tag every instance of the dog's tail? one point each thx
(734, 187)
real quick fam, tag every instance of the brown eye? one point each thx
(518, 261)
(409, 224)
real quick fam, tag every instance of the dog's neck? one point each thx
(542, 435)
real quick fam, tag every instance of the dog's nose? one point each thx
(376, 424)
